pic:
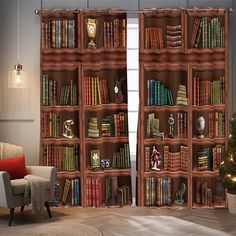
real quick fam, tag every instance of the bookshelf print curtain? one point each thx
(163, 90)
(183, 111)
(105, 109)
(84, 121)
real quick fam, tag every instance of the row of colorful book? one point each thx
(158, 94)
(50, 123)
(115, 195)
(210, 158)
(114, 33)
(121, 159)
(207, 92)
(216, 124)
(96, 91)
(64, 158)
(114, 125)
(173, 36)
(207, 33)
(154, 38)
(161, 37)
(182, 125)
(94, 192)
(58, 34)
(73, 187)
(203, 193)
(68, 95)
(158, 191)
(176, 161)
(51, 97)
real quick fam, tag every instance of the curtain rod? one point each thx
(230, 10)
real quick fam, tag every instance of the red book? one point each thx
(147, 158)
(147, 38)
(196, 25)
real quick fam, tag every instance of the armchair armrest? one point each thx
(6, 195)
(47, 172)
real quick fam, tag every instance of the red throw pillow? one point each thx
(15, 166)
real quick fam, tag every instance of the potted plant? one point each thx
(228, 167)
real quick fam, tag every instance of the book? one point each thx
(181, 98)
(93, 131)
(66, 191)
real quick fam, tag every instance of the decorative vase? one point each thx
(231, 203)
(200, 125)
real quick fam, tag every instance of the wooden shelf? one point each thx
(165, 108)
(105, 50)
(111, 106)
(109, 172)
(213, 206)
(161, 173)
(68, 174)
(208, 141)
(60, 141)
(60, 108)
(163, 51)
(205, 173)
(205, 50)
(173, 206)
(60, 51)
(208, 108)
(106, 140)
(174, 141)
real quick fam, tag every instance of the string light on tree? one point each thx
(228, 164)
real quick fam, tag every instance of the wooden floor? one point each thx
(134, 221)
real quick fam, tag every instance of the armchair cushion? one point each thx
(18, 186)
(15, 166)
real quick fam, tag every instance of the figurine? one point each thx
(156, 159)
(171, 122)
(179, 195)
(67, 130)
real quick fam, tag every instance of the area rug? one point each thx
(53, 229)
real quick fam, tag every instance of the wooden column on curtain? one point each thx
(84, 120)
(183, 80)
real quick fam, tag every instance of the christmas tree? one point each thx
(228, 164)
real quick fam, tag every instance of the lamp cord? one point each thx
(18, 31)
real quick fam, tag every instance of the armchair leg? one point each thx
(22, 208)
(48, 209)
(11, 216)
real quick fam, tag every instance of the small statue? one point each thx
(179, 195)
(67, 130)
(156, 159)
(171, 122)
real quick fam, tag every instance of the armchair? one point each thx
(12, 190)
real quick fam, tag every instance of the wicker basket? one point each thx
(231, 203)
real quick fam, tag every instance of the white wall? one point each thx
(19, 118)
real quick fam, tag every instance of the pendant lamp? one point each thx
(17, 78)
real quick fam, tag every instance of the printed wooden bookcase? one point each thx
(106, 133)
(83, 106)
(182, 87)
